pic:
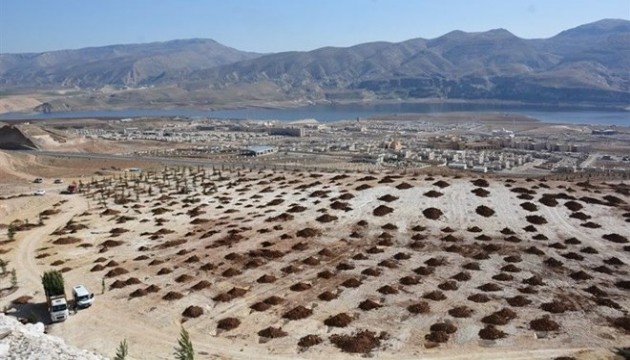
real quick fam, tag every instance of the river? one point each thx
(328, 113)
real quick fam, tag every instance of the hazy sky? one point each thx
(281, 25)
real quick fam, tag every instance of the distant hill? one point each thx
(115, 65)
(588, 64)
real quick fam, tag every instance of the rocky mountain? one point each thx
(116, 65)
(589, 64)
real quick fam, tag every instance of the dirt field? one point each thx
(306, 265)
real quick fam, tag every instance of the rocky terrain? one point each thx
(20, 342)
(312, 265)
(585, 65)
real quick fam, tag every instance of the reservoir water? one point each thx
(328, 113)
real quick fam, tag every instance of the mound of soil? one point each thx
(111, 243)
(311, 261)
(184, 278)
(138, 293)
(479, 298)
(472, 266)
(387, 290)
(231, 272)
(518, 301)
(228, 324)
(116, 272)
(351, 283)
(363, 187)
(388, 198)
(616, 238)
(371, 272)
(326, 218)
(361, 342)
(437, 336)
(461, 312)
(404, 186)
(300, 286)
(491, 333)
(441, 184)
(435, 295)
(529, 206)
(557, 307)
(338, 205)
(421, 307)
(382, 210)
(544, 324)
(25, 299)
(503, 277)
(501, 317)
(307, 233)
(368, 305)
(340, 320)
(573, 205)
(436, 262)
(327, 296)
(614, 261)
(548, 200)
(296, 209)
(444, 327)
(326, 274)
(534, 280)
(193, 311)
(481, 183)
(530, 228)
(580, 275)
(449, 285)
(424, 270)
(551, 262)
(480, 192)
(409, 280)
(310, 340)
(433, 194)
(203, 284)
(272, 332)
(622, 323)
(623, 284)
(297, 313)
(172, 295)
(475, 229)
(536, 219)
(484, 211)
(432, 213)
(66, 240)
(489, 287)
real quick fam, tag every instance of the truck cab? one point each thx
(58, 308)
(82, 297)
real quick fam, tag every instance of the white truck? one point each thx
(82, 297)
(55, 295)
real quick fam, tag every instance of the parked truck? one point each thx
(55, 295)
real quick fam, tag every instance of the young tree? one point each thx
(3, 266)
(13, 278)
(122, 350)
(184, 350)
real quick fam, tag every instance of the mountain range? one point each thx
(587, 64)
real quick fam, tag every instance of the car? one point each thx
(58, 181)
(82, 297)
(39, 192)
(38, 180)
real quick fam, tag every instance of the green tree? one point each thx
(3, 266)
(11, 232)
(13, 278)
(184, 350)
(122, 350)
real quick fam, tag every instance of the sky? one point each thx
(281, 25)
